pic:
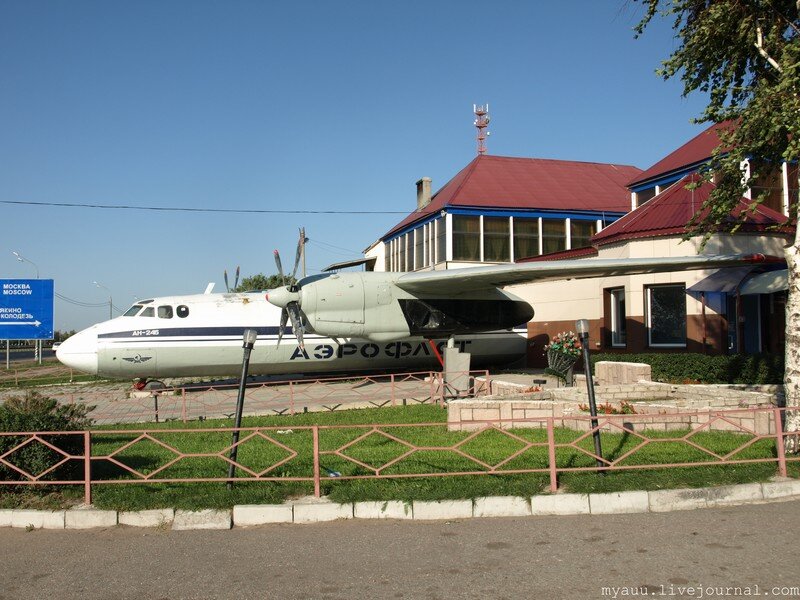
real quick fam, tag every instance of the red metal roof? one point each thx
(670, 212)
(532, 183)
(563, 255)
(696, 150)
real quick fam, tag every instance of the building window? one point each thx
(419, 247)
(581, 232)
(401, 253)
(441, 241)
(645, 195)
(466, 238)
(496, 239)
(526, 238)
(767, 183)
(666, 315)
(619, 334)
(553, 236)
(410, 249)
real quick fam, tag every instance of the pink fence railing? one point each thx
(192, 402)
(537, 445)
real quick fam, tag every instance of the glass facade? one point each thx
(466, 238)
(486, 238)
(554, 238)
(526, 238)
(581, 232)
(496, 239)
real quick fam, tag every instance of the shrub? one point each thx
(35, 412)
(751, 369)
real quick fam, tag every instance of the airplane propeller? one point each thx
(235, 283)
(288, 298)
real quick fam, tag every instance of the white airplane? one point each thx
(343, 322)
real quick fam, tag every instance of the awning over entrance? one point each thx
(723, 280)
(766, 283)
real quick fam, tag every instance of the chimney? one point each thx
(423, 192)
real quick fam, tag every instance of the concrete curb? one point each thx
(317, 510)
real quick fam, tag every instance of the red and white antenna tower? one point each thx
(481, 123)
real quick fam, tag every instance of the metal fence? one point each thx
(388, 451)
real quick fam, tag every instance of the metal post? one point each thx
(583, 331)
(87, 467)
(780, 441)
(551, 454)
(315, 441)
(249, 341)
(8, 354)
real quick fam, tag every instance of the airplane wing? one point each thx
(492, 276)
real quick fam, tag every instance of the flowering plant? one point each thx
(565, 342)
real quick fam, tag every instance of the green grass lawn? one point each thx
(376, 450)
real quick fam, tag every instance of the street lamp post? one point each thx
(21, 258)
(110, 300)
(582, 327)
(248, 341)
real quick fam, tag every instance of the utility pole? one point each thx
(303, 241)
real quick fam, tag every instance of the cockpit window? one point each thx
(182, 311)
(148, 312)
(165, 312)
(131, 312)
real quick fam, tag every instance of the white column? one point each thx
(785, 180)
(511, 239)
(480, 220)
(568, 232)
(448, 223)
(745, 166)
(541, 244)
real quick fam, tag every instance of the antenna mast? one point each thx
(481, 123)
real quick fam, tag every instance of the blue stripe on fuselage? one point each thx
(235, 333)
(145, 332)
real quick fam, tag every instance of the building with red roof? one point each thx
(501, 209)
(696, 311)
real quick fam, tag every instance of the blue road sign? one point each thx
(26, 309)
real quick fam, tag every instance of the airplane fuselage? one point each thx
(201, 335)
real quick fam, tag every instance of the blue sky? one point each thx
(303, 105)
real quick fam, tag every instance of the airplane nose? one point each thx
(80, 352)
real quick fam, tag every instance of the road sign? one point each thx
(26, 309)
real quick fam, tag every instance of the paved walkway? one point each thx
(576, 557)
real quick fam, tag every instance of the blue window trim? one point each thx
(607, 217)
(670, 177)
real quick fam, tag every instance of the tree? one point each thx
(745, 55)
(261, 282)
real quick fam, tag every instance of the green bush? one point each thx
(752, 369)
(35, 412)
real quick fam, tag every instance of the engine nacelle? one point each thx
(372, 306)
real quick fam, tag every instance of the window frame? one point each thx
(648, 290)
(614, 295)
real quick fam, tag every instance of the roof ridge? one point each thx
(562, 160)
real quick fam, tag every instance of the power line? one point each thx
(80, 302)
(324, 244)
(207, 210)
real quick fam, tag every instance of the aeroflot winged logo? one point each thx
(138, 359)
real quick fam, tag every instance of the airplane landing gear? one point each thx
(144, 384)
